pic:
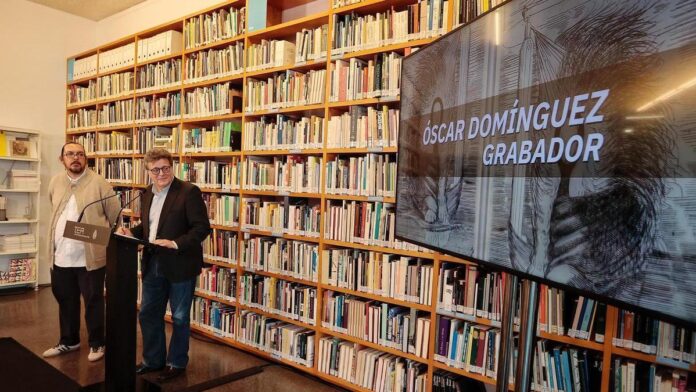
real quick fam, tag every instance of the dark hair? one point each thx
(62, 149)
(156, 154)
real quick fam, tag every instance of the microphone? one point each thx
(82, 213)
(140, 193)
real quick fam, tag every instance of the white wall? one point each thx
(35, 43)
(146, 15)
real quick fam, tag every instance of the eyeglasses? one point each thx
(73, 155)
(164, 169)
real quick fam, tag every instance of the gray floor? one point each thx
(32, 319)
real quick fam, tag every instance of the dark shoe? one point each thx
(169, 373)
(142, 368)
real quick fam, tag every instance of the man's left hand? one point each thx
(165, 243)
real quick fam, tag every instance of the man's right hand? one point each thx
(124, 231)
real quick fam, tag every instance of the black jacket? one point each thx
(184, 220)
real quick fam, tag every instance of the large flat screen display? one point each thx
(557, 138)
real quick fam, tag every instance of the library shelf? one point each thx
(306, 151)
(362, 342)
(380, 249)
(117, 70)
(81, 80)
(262, 312)
(384, 199)
(288, 109)
(223, 300)
(290, 27)
(82, 105)
(306, 195)
(159, 59)
(215, 44)
(277, 276)
(224, 227)
(218, 154)
(376, 297)
(315, 64)
(361, 150)
(164, 90)
(397, 47)
(219, 263)
(202, 119)
(237, 77)
(364, 101)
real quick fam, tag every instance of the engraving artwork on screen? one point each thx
(558, 138)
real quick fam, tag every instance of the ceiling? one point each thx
(91, 9)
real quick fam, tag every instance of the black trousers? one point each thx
(67, 284)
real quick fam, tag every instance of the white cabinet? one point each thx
(20, 152)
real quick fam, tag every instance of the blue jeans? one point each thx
(156, 291)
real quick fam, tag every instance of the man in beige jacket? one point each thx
(78, 268)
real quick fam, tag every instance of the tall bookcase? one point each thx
(125, 106)
(20, 161)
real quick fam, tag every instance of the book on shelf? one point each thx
(218, 281)
(292, 258)
(281, 297)
(82, 68)
(280, 339)
(19, 270)
(214, 63)
(159, 75)
(284, 132)
(116, 85)
(120, 57)
(633, 376)
(221, 245)
(215, 26)
(213, 316)
(224, 136)
(162, 44)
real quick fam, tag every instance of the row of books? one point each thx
(130, 203)
(114, 143)
(162, 44)
(147, 138)
(289, 216)
(77, 94)
(82, 68)
(210, 315)
(466, 345)
(288, 299)
(120, 170)
(370, 368)
(311, 44)
(392, 276)
(444, 381)
(221, 245)
(116, 113)
(158, 108)
(218, 281)
(223, 210)
(215, 63)
(285, 89)
(368, 175)
(364, 127)
(296, 259)
(470, 291)
(343, 3)
(396, 327)
(283, 132)
(214, 100)
(224, 136)
(17, 242)
(566, 314)
(82, 118)
(116, 85)
(559, 368)
(638, 332)
(212, 174)
(215, 26)
(19, 270)
(159, 75)
(354, 32)
(269, 54)
(291, 173)
(368, 223)
(115, 58)
(629, 376)
(360, 79)
(466, 10)
(87, 140)
(280, 339)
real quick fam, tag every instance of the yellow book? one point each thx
(3, 144)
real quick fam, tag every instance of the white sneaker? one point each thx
(59, 349)
(96, 353)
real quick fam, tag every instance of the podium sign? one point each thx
(87, 233)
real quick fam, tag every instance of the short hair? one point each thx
(62, 149)
(156, 154)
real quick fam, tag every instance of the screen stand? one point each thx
(529, 305)
(507, 344)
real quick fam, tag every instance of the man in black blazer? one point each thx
(174, 217)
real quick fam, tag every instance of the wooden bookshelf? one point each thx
(286, 30)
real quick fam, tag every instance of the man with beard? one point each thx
(78, 268)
